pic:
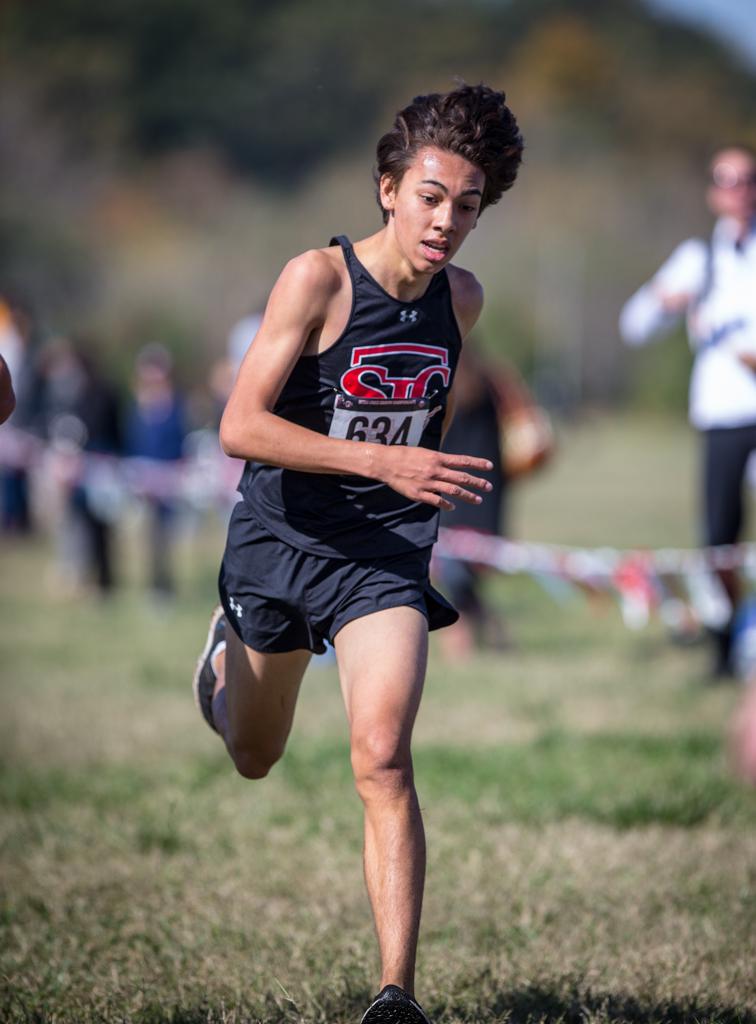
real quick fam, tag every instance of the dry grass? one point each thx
(591, 859)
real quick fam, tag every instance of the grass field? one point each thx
(590, 856)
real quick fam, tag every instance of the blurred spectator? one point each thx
(156, 430)
(80, 416)
(712, 284)
(7, 395)
(474, 428)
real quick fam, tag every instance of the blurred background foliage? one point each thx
(161, 159)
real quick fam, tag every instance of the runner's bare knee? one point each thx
(253, 763)
(381, 763)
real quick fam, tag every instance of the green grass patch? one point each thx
(622, 780)
(591, 858)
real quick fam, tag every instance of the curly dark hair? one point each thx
(471, 120)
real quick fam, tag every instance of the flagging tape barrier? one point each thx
(673, 582)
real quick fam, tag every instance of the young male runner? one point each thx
(338, 409)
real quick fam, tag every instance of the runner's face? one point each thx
(434, 207)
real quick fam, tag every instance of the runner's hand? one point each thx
(422, 474)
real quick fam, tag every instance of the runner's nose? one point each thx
(445, 220)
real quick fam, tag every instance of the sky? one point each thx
(733, 20)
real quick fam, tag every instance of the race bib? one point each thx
(380, 421)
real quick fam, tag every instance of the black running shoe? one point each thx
(394, 1006)
(204, 680)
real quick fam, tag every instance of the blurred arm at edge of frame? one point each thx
(7, 397)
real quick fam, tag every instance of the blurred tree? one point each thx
(276, 86)
(138, 134)
(279, 86)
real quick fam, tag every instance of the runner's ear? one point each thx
(387, 191)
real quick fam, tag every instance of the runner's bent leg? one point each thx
(382, 660)
(254, 702)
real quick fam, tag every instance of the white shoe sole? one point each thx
(206, 650)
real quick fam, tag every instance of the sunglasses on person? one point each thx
(725, 176)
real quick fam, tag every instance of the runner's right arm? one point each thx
(306, 292)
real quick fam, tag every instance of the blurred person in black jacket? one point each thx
(80, 414)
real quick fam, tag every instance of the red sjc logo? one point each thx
(369, 375)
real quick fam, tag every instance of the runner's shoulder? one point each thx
(316, 272)
(467, 296)
(466, 288)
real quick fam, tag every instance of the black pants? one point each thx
(98, 538)
(726, 453)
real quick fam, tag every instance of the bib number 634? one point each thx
(401, 421)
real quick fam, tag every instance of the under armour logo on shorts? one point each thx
(408, 314)
(236, 608)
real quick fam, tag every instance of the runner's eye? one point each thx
(430, 200)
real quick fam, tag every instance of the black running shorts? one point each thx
(278, 598)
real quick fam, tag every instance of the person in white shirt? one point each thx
(712, 283)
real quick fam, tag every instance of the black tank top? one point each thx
(386, 380)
